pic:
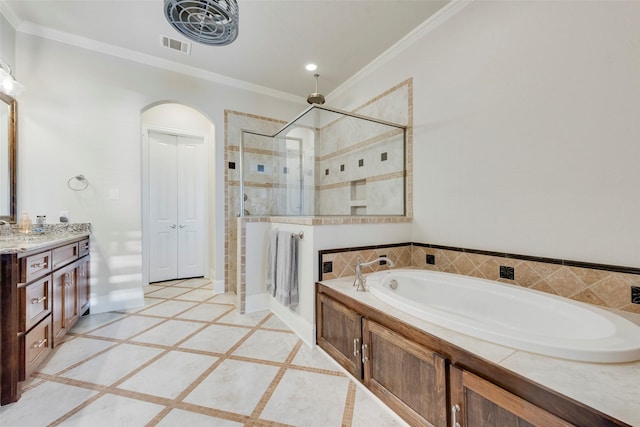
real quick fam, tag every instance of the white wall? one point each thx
(81, 113)
(7, 42)
(526, 128)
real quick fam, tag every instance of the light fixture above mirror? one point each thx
(8, 84)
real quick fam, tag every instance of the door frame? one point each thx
(146, 258)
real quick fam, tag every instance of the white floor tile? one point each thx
(274, 322)
(44, 404)
(111, 366)
(169, 332)
(110, 410)
(226, 298)
(170, 375)
(205, 312)
(168, 308)
(72, 352)
(194, 283)
(178, 417)
(251, 319)
(216, 338)
(234, 386)
(196, 295)
(309, 399)
(314, 358)
(368, 412)
(169, 292)
(127, 327)
(94, 321)
(268, 345)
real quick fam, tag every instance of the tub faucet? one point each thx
(360, 280)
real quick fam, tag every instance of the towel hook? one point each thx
(299, 235)
(84, 182)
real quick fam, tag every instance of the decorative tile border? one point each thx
(597, 284)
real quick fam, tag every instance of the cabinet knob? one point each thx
(172, 226)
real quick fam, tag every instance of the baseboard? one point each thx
(218, 286)
(256, 302)
(115, 300)
(305, 330)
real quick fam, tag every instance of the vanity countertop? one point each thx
(608, 388)
(16, 242)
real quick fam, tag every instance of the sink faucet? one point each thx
(360, 280)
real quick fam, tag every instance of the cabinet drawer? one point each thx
(64, 255)
(37, 345)
(35, 266)
(83, 248)
(37, 302)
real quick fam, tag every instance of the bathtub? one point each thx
(512, 316)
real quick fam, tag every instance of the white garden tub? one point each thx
(509, 315)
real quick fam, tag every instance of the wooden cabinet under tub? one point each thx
(430, 382)
(43, 293)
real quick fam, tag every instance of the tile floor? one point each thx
(188, 358)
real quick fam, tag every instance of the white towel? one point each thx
(287, 269)
(282, 267)
(271, 262)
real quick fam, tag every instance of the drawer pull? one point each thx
(39, 265)
(454, 415)
(356, 347)
(40, 343)
(365, 351)
(38, 300)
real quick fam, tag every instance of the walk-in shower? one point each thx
(325, 162)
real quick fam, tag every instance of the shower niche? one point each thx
(325, 162)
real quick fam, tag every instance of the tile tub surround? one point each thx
(608, 388)
(13, 241)
(187, 357)
(600, 285)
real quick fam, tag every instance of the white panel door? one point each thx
(176, 206)
(191, 156)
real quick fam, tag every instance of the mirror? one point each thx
(8, 141)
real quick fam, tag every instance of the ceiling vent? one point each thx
(176, 45)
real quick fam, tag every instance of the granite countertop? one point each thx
(608, 388)
(13, 241)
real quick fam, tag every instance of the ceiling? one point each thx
(276, 39)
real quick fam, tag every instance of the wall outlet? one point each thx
(327, 267)
(431, 259)
(383, 262)
(507, 272)
(635, 294)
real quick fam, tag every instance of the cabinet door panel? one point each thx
(483, 404)
(409, 377)
(339, 334)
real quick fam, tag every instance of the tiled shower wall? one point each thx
(606, 286)
(258, 185)
(360, 164)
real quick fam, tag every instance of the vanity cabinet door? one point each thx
(65, 304)
(82, 277)
(476, 402)
(408, 377)
(339, 333)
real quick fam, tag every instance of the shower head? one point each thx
(315, 97)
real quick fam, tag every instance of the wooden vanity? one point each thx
(429, 381)
(44, 290)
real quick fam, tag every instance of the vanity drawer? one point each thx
(35, 266)
(37, 302)
(37, 345)
(64, 255)
(83, 247)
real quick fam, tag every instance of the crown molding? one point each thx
(430, 24)
(142, 58)
(9, 15)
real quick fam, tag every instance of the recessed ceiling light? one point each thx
(311, 67)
